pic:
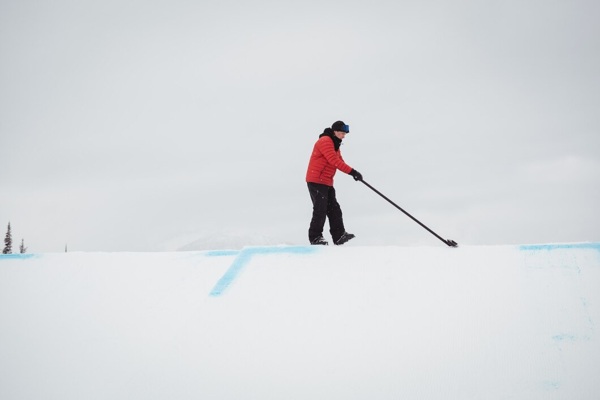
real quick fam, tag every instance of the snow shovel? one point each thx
(448, 242)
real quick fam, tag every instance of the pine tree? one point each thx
(8, 242)
(22, 248)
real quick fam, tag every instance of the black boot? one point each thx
(319, 240)
(344, 238)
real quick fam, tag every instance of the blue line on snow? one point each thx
(244, 257)
(218, 253)
(17, 256)
(537, 247)
(564, 337)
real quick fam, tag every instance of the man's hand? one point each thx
(356, 175)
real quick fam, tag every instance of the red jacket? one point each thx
(324, 162)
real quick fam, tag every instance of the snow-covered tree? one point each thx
(8, 242)
(22, 248)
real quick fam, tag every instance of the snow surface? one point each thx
(296, 322)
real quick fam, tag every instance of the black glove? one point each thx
(356, 175)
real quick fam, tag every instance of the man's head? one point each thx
(340, 129)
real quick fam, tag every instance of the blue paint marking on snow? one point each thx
(244, 257)
(551, 385)
(548, 247)
(234, 269)
(17, 256)
(220, 253)
(564, 337)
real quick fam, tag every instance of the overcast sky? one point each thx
(146, 125)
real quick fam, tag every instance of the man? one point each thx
(324, 162)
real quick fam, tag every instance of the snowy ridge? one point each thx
(303, 322)
(216, 240)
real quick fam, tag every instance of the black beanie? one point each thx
(340, 126)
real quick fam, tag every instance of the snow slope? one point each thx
(475, 322)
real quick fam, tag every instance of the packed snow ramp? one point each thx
(296, 322)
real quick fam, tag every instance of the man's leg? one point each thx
(318, 194)
(334, 213)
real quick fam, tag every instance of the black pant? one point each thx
(325, 205)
